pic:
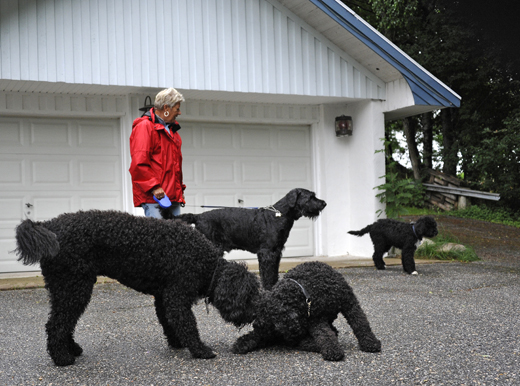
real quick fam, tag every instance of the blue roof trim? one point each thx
(425, 89)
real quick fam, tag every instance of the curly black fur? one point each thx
(257, 231)
(283, 314)
(166, 259)
(388, 233)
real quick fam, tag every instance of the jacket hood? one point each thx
(150, 116)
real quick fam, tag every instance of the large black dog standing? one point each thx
(262, 231)
(299, 312)
(166, 259)
(388, 233)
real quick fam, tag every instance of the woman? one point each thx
(155, 148)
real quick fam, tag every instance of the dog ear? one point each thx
(292, 197)
(236, 293)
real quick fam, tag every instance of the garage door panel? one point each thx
(55, 134)
(297, 243)
(248, 166)
(255, 138)
(11, 209)
(56, 166)
(259, 171)
(219, 199)
(45, 208)
(217, 137)
(11, 172)
(99, 174)
(294, 140)
(188, 171)
(218, 171)
(55, 173)
(11, 133)
(295, 172)
(98, 136)
(254, 200)
(109, 201)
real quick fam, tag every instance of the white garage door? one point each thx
(248, 166)
(52, 166)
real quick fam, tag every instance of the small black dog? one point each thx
(262, 231)
(387, 233)
(299, 312)
(166, 259)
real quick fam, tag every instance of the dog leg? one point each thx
(68, 302)
(249, 342)
(172, 339)
(183, 323)
(268, 263)
(378, 258)
(407, 259)
(356, 318)
(326, 341)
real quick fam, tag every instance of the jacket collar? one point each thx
(152, 117)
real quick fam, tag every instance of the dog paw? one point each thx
(370, 346)
(64, 360)
(333, 355)
(239, 349)
(203, 353)
(76, 349)
(414, 273)
(243, 345)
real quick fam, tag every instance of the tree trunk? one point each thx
(409, 132)
(449, 152)
(427, 122)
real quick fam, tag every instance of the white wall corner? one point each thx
(348, 170)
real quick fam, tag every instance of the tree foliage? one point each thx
(480, 140)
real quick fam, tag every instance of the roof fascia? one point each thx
(426, 89)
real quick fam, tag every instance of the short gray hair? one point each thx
(169, 97)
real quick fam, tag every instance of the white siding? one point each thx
(254, 46)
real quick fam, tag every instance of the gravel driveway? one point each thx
(453, 324)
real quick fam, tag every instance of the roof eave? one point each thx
(426, 89)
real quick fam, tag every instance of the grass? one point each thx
(485, 213)
(431, 251)
(475, 212)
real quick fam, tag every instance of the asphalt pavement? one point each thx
(453, 324)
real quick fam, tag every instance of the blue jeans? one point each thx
(152, 210)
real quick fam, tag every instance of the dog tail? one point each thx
(34, 242)
(361, 232)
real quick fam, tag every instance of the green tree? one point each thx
(479, 138)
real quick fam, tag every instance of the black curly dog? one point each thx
(299, 312)
(262, 231)
(166, 259)
(387, 233)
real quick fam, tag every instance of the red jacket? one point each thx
(156, 160)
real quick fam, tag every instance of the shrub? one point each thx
(432, 250)
(484, 212)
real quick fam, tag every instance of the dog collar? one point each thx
(413, 229)
(307, 297)
(206, 300)
(277, 213)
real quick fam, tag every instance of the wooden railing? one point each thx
(447, 193)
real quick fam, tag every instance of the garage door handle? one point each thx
(29, 205)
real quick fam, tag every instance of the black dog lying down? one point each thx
(299, 312)
(261, 231)
(166, 259)
(388, 233)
